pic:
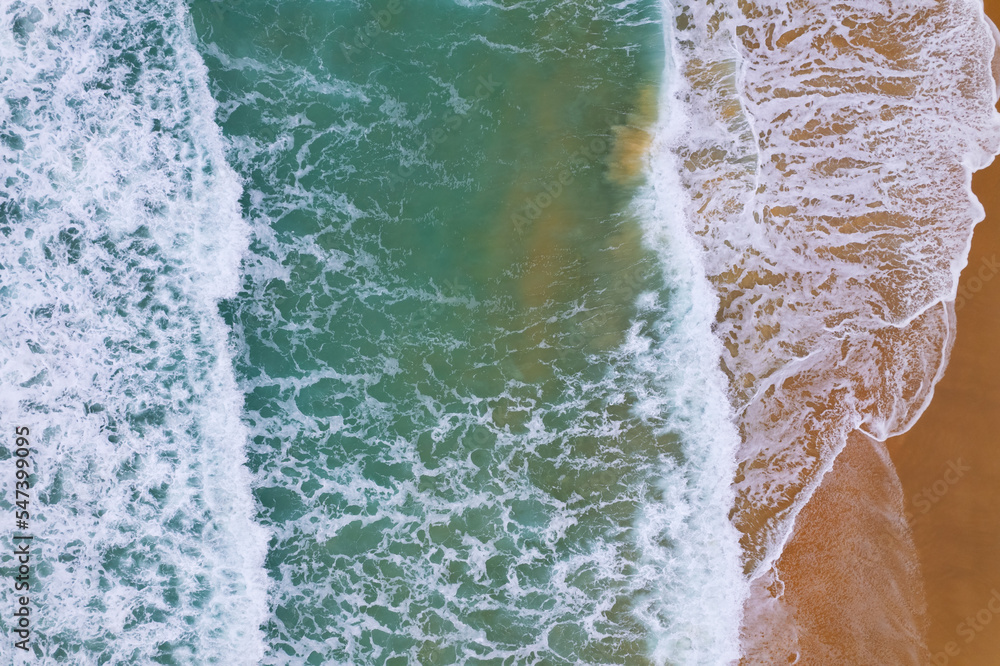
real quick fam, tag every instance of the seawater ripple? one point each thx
(462, 338)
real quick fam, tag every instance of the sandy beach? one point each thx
(854, 578)
(949, 463)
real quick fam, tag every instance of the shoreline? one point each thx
(896, 557)
(949, 462)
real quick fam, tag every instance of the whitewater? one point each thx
(828, 166)
(121, 232)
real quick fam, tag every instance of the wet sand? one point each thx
(853, 578)
(949, 463)
(850, 575)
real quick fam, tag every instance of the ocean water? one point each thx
(460, 336)
(121, 231)
(479, 332)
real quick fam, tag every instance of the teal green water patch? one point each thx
(443, 271)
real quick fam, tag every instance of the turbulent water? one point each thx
(121, 231)
(475, 332)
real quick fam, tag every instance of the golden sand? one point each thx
(850, 575)
(949, 463)
(853, 578)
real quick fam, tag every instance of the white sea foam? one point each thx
(121, 232)
(827, 157)
(689, 547)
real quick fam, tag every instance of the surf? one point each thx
(121, 233)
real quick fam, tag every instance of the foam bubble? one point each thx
(694, 613)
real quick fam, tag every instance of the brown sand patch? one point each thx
(851, 578)
(850, 588)
(632, 141)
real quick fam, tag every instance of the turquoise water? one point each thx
(381, 348)
(439, 486)
(120, 231)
